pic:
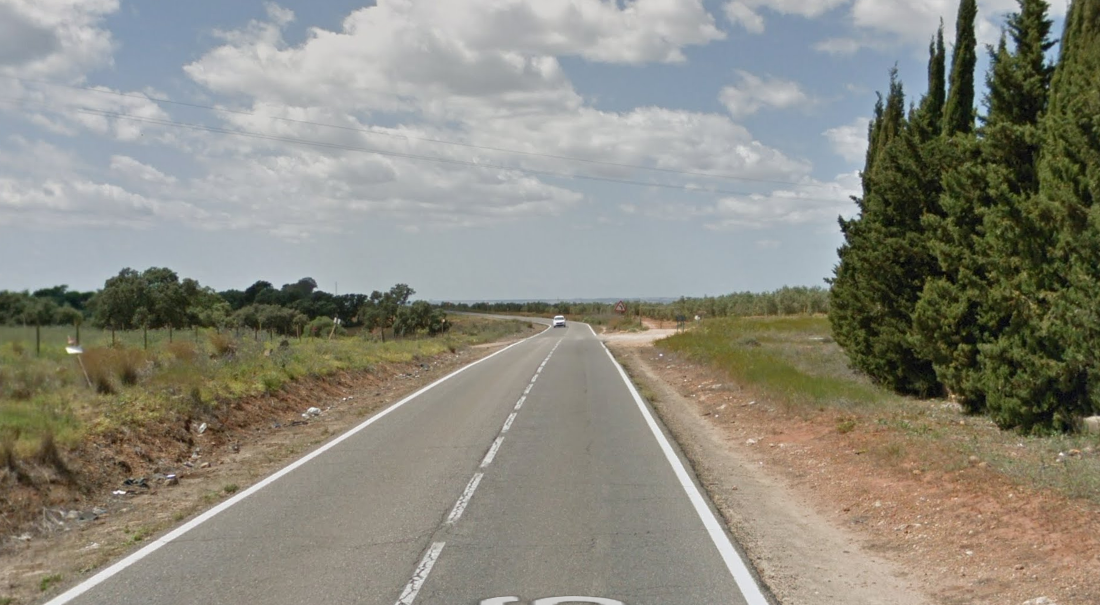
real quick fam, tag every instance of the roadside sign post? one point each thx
(78, 351)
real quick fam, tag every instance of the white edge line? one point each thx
(492, 453)
(527, 391)
(733, 560)
(508, 423)
(154, 546)
(519, 403)
(421, 574)
(464, 499)
(534, 378)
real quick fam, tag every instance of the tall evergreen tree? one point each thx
(1042, 370)
(959, 108)
(933, 103)
(884, 261)
(976, 241)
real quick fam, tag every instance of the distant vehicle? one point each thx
(559, 321)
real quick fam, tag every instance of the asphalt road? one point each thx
(530, 477)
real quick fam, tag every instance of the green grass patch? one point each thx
(132, 386)
(47, 581)
(795, 364)
(792, 359)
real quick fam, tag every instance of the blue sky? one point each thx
(422, 182)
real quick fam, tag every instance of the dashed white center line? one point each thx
(408, 595)
(420, 575)
(492, 452)
(463, 500)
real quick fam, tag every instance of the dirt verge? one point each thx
(822, 524)
(135, 485)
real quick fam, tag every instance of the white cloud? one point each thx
(838, 46)
(850, 141)
(475, 73)
(441, 49)
(755, 93)
(54, 38)
(814, 202)
(481, 73)
(741, 14)
(747, 12)
(134, 170)
(890, 22)
(44, 187)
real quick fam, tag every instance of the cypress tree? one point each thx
(933, 103)
(959, 108)
(976, 242)
(1042, 371)
(884, 261)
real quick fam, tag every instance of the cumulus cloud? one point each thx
(890, 22)
(54, 38)
(453, 77)
(747, 13)
(42, 186)
(850, 140)
(813, 202)
(754, 93)
(482, 74)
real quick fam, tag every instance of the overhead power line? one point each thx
(370, 132)
(388, 153)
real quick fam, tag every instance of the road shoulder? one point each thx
(799, 553)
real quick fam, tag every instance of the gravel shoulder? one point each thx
(872, 515)
(801, 555)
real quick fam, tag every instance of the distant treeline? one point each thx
(157, 298)
(784, 301)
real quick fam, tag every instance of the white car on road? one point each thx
(559, 321)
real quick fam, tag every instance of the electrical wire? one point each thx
(382, 152)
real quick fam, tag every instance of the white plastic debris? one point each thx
(311, 412)
(202, 428)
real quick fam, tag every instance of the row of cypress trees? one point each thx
(973, 266)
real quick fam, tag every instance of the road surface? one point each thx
(535, 476)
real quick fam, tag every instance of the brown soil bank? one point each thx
(65, 516)
(832, 512)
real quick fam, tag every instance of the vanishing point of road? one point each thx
(535, 476)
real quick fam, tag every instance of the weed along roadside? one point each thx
(973, 514)
(86, 474)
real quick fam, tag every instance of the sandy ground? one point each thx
(823, 524)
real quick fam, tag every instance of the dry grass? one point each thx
(796, 366)
(46, 406)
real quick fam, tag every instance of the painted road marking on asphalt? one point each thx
(464, 499)
(425, 567)
(553, 601)
(157, 544)
(733, 560)
(420, 575)
(492, 451)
